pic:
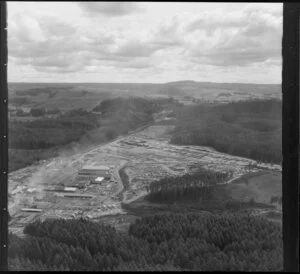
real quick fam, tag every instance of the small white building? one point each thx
(70, 189)
(30, 190)
(97, 180)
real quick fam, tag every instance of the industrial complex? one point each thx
(100, 181)
(93, 175)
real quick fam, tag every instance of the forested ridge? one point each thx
(157, 242)
(31, 140)
(249, 129)
(46, 133)
(121, 114)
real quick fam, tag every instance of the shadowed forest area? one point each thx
(155, 243)
(250, 129)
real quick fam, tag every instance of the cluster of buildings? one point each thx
(93, 171)
(89, 174)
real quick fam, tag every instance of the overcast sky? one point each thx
(144, 42)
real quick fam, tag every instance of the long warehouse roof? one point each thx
(96, 167)
(78, 195)
(32, 209)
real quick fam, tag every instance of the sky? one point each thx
(138, 42)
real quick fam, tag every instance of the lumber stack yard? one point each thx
(89, 184)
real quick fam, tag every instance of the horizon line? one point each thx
(170, 82)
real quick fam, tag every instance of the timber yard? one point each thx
(92, 184)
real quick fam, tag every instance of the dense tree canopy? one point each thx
(36, 112)
(248, 128)
(195, 186)
(158, 242)
(45, 133)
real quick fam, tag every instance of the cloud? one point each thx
(55, 28)
(275, 9)
(61, 63)
(47, 43)
(240, 38)
(172, 45)
(111, 9)
(135, 48)
(210, 21)
(141, 63)
(169, 33)
(30, 36)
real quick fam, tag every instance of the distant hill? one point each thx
(66, 96)
(182, 82)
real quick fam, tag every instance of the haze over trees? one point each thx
(30, 141)
(249, 129)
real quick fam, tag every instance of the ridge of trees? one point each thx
(135, 104)
(46, 133)
(76, 125)
(254, 125)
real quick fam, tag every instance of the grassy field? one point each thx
(261, 188)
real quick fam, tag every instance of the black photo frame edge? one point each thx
(3, 141)
(290, 137)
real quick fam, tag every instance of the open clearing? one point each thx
(144, 156)
(261, 187)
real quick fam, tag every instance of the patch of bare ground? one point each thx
(143, 156)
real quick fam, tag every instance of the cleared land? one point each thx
(143, 156)
(261, 187)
